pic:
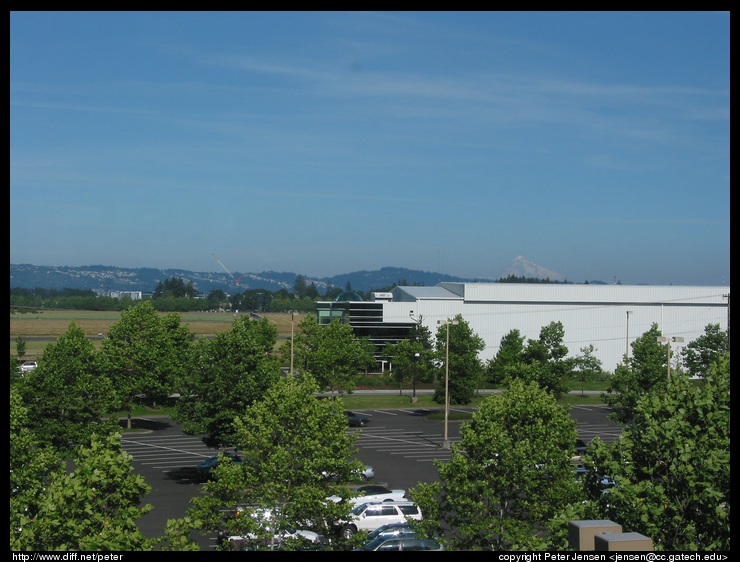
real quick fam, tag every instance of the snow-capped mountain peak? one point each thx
(522, 267)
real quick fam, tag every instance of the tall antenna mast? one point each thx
(236, 279)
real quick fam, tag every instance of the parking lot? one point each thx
(401, 445)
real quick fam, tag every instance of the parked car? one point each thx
(605, 482)
(373, 492)
(580, 450)
(205, 467)
(307, 540)
(356, 420)
(28, 366)
(367, 473)
(370, 516)
(401, 543)
(580, 447)
(392, 530)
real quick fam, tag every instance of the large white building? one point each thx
(610, 317)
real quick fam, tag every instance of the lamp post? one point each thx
(667, 340)
(292, 316)
(627, 339)
(446, 442)
(413, 384)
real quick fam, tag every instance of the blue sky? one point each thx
(595, 144)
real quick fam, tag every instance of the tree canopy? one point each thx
(507, 477)
(290, 441)
(461, 371)
(331, 353)
(671, 465)
(145, 354)
(93, 508)
(68, 395)
(228, 374)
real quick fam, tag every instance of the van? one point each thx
(369, 516)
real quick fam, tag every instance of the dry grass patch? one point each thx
(52, 324)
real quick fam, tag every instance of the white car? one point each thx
(250, 542)
(368, 473)
(28, 366)
(372, 493)
(370, 516)
(284, 533)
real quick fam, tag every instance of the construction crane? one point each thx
(236, 279)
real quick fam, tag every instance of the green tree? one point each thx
(332, 293)
(177, 536)
(586, 366)
(331, 353)
(465, 368)
(406, 357)
(700, 354)
(20, 348)
(30, 467)
(174, 288)
(645, 370)
(217, 299)
(67, 395)
(507, 477)
(547, 360)
(93, 508)
(672, 464)
(312, 292)
(300, 289)
(256, 300)
(289, 440)
(16, 375)
(145, 355)
(228, 374)
(508, 359)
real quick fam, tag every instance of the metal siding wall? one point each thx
(603, 325)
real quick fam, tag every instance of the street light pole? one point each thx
(413, 392)
(291, 342)
(668, 340)
(446, 442)
(627, 342)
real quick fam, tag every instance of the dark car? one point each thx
(580, 447)
(205, 467)
(392, 530)
(356, 420)
(401, 543)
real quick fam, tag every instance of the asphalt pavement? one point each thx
(402, 446)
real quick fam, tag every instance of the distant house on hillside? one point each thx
(133, 295)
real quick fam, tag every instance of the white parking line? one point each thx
(185, 452)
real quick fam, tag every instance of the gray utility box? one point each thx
(623, 541)
(581, 533)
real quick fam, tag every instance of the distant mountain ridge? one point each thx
(103, 279)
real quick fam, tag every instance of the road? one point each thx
(401, 445)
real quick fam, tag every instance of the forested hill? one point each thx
(108, 278)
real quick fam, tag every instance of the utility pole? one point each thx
(413, 392)
(727, 296)
(667, 340)
(292, 316)
(446, 442)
